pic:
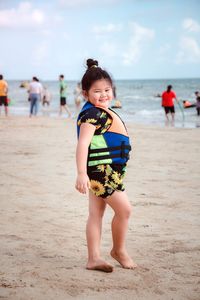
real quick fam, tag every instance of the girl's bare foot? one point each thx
(124, 259)
(99, 265)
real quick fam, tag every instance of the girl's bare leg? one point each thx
(93, 232)
(122, 208)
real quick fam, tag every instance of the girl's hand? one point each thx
(82, 183)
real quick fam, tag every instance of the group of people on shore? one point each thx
(38, 93)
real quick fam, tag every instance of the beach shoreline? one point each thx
(42, 223)
(140, 103)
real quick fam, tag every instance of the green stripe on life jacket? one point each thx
(98, 142)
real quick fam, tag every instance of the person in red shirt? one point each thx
(168, 97)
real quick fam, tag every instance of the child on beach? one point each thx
(102, 153)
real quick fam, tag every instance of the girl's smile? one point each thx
(100, 93)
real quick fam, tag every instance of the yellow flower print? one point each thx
(108, 170)
(93, 121)
(116, 177)
(103, 115)
(112, 185)
(101, 168)
(108, 122)
(79, 122)
(97, 187)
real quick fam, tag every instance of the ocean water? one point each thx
(138, 98)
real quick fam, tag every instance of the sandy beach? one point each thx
(42, 217)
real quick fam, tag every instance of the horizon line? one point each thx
(116, 79)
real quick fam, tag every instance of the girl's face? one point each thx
(100, 93)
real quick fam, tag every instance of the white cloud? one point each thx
(23, 16)
(83, 3)
(191, 25)
(139, 36)
(189, 51)
(109, 28)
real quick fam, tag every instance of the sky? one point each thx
(131, 39)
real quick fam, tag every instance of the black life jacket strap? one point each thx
(102, 157)
(123, 152)
(108, 149)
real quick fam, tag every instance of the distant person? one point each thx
(188, 104)
(24, 84)
(117, 103)
(168, 97)
(197, 94)
(3, 94)
(35, 93)
(78, 97)
(63, 96)
(46, 97)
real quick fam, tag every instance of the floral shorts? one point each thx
(106, 179)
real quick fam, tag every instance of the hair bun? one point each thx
(91, 63)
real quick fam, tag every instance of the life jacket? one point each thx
(110, 147)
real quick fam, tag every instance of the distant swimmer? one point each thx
(158, 95)
(188, 104)
(117, 104)
(24, 84)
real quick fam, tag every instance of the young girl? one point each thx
(102, 152)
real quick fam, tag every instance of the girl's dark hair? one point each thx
(92, 74)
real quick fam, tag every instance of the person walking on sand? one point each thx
(3, 94)
(63, 95)
(197, 94)
(35, 93)
(168, 97)
(101, 155)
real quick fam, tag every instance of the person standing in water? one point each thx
(197, 94)
(63, 96)
(35, 94)
(101, 155)
(168, 97)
